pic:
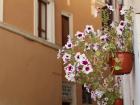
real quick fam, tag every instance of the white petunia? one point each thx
(99, 93)
(68, 45)
(112, 24)
(122, 24)
(87, 47)
(80, 57)
(104, 38)
(93, 96)
(80, 35)
(123, 10)
(70, 77)
(77, 56)
(89, 29)
(66, 57)
(95, 46)
(110, 7)
(119, 30)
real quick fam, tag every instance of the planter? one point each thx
(126, 63)
(118, 101)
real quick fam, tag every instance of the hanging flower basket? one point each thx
(118, 101)
(125, 63)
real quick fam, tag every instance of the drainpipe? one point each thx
(137, 58)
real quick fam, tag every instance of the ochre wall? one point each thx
(81, 10)
(19, 13)
(30, 74)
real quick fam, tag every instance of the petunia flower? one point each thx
(80, 57)
(85, 62)
(95, 46)
(99, 93)
(69, 68)
(66, 57)
(110, 7)
(70, 77)
(80, 35)
(68, 45)
(87, 47)
(123, 10)
(119, 30)
(104, 38)
(122, 23)
(93, 96)
(87, 69)
(89, 29)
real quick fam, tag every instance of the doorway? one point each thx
(66, 103)
(65, 29)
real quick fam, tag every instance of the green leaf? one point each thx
(117, 60)
(98, 53)
(117, 68)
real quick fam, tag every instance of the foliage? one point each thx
(86, 56)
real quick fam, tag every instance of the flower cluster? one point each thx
(86, 60)
(86, 57)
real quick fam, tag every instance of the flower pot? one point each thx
(126, 63)
(118, 101)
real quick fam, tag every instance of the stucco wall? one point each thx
(81, 10)
(19, 13)
(30, 74)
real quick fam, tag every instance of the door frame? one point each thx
(70, 16)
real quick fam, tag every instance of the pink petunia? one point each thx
(87, 69)
(69, 69)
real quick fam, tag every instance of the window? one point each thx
(44, 20)
(86, 96)
(1, 10)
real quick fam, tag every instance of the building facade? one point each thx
(31, 32)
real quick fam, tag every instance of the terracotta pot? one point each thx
(118, 101)
(126, 60)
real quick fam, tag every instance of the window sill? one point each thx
(28, 36)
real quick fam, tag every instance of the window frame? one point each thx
(40, 27)
(1, 10)
(50, 20)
